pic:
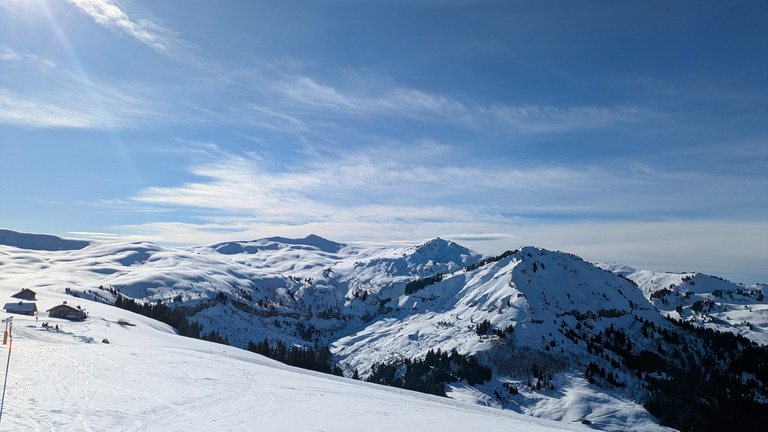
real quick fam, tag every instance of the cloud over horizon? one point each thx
(238, 196)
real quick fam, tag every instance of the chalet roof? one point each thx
(20, 307)
(67, 312)
(65, 306)
(25, 293)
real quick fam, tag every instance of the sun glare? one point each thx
(20, 5)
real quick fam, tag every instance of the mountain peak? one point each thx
(441, 250)
(438, 243)
(313, 240)
(271, 243)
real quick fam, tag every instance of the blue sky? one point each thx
(617, 130)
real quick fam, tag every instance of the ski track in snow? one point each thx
(147, 380)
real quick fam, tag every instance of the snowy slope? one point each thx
(147, 378)
(507, 293)
(545, 311)
(705, 300)
(510, 293)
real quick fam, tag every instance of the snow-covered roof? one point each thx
(20, 307)
(25, 293)
(66, 306)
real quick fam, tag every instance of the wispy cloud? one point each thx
(37, 92)
(420, 182)
(408, 184)
(286, 97)
(327, 187)
(29, 111)
(305, 95)
(73, 105)
(9, 55)
(95, 235)
(532, 118)
(310, 92)
(109, 14)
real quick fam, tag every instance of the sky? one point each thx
(624, 131)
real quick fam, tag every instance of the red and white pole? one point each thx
(9, 325)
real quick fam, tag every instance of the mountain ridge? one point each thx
(562, 319)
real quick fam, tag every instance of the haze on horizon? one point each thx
(619, 131)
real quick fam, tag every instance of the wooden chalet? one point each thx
(26, 294)
(67, 312)
(21, 308)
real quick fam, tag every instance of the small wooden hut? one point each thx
(67, 312)
(21, 308)
(26, 294)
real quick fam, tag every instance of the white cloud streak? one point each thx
(102, 107)
(307, 94)
(289, 102)
(37, 92)
(407, 184)
(324, 188)
(8, 54)
(30, 111)
(109, 14)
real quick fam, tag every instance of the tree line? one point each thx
(174, 317)
(419, 284)
(430, 374)
(317, 359)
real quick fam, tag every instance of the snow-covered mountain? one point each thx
(565, 340)
(705, 300)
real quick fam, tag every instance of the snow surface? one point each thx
(734, 308)
(354, 299)
(149, 379)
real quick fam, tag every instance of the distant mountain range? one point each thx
(559, 337)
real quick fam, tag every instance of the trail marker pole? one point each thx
(9, 325)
